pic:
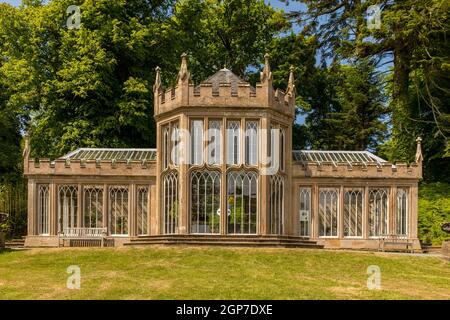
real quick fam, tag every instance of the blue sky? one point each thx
(13, 2)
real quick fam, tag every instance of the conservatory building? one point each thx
(223, 173)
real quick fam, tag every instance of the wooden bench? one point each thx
(83, 234)
(398, 241)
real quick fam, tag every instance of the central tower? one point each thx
(224, 160)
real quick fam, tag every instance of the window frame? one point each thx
(352, 191)
(43, 209)
(337, 214)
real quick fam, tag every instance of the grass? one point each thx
(219, 273)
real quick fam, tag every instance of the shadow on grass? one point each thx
(7, 250)
(4, 250)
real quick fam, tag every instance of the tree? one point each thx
(89, 87)
(297, 51)
(231, 33)
(85, 87)
(10, 117)
(358, 124)
(349, 114)
(407, 33)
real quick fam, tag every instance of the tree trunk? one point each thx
(400, 104)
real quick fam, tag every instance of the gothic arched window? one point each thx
(402, 212)
(242, 202)
(170, 202)
(378, 212)
(205, 202)
(276, 204)
(67, 207)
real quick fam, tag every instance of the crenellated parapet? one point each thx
(358, 170)
(68, 167)
(224, 90)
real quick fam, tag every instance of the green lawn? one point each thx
(219, 273)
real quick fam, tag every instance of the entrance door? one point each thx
(304, 229)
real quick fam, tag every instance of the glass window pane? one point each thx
(402, 212)
(276, 205)
(251, 143)
(378, 212)
(67, 207)
(305, 212)
(214, 142)
(242, 208)
(93, 207)
(328, 212)
(205, 202)
(233, 142)
(197, 142)
(353, 213)
(142, 210)
(170, 202)
(118, 203)
(43, 209)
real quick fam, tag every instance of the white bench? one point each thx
(83, 234)
(398, 241)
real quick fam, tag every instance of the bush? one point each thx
(434, 210)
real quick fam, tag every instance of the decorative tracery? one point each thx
(205, 201)
(276, 204)
(242, 202)
(170, 202)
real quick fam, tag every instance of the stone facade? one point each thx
(339, 199)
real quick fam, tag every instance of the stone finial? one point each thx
(419, 156)
(266, 74)
(290, 92)
(157, 85)
(27, 143)
(183, 74)
(26, 154)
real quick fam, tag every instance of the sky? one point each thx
(13, 2)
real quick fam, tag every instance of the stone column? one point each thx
(80, 208)
(413, 210)
(340, 231)
(289, 199)
(264, 199)
(315, 211)
(366, 213)
(53, 198)
(132, 210)
(392, 209)
(153, 220)
(106, 208)
(295, 207)
(32, 207)
(183, 182)
(158, 227)
(223, 182)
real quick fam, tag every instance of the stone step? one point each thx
(15, 243)
(221, 240)
(227, 243)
